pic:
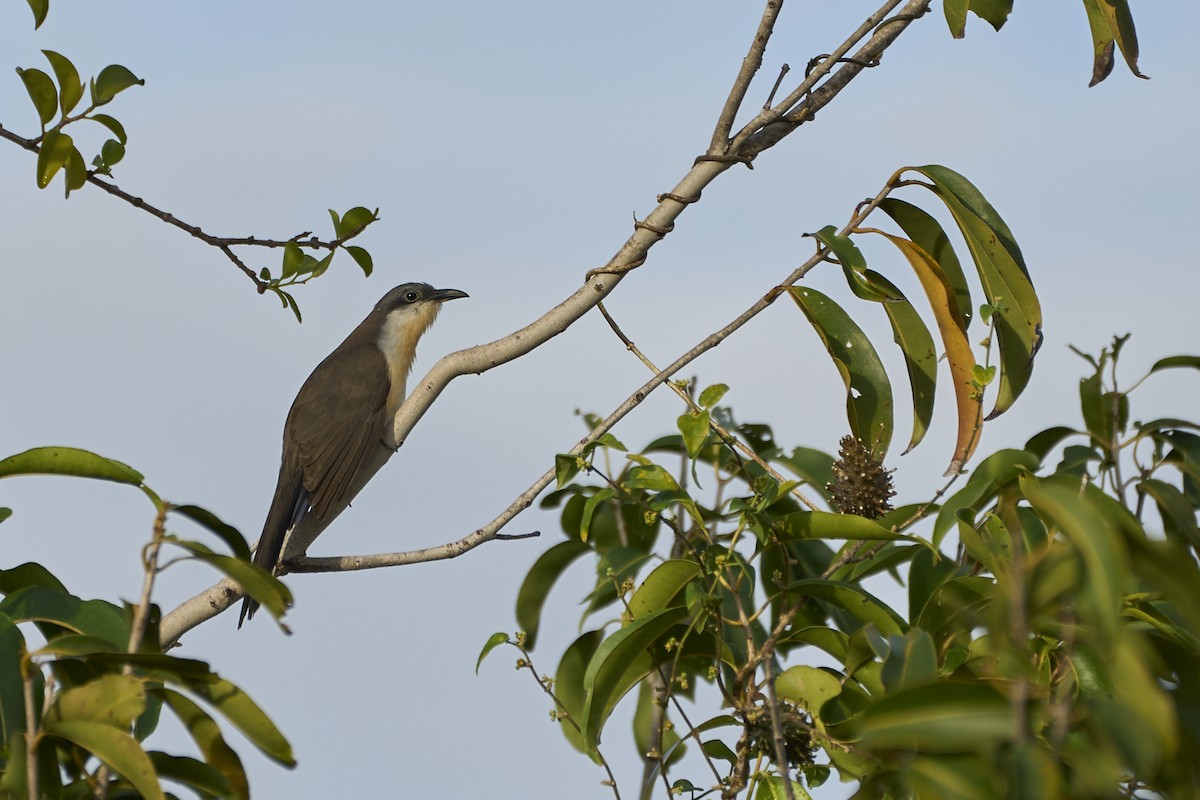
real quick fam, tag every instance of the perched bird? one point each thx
(342, 411)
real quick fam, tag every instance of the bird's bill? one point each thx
(442, 295)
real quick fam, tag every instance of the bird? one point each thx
(342, 411)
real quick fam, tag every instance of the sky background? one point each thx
(507, 147)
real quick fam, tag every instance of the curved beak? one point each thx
(442, 295)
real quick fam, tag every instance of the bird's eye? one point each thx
(411, 297)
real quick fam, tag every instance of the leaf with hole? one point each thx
(868, 391)
(1018, 313)
(1111, 23)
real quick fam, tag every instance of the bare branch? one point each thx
(222, 243)
(599, 283)
(741, 84)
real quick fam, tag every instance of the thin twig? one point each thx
(222, 243)
(722, 432)
(741, 84)
(527, 663)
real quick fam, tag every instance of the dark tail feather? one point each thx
(287, 508)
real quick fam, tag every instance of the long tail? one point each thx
(288, 507)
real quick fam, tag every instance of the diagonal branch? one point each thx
(599, 283)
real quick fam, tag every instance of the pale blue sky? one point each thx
(507, 146)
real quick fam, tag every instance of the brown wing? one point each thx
(336, 420)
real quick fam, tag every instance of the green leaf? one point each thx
(994, 12)
(264, 587)
(28, 574)
(362, 258)
(1177, 513)
(1089, 529)
(531, 597)
(76, 171)
(651, 477)
(54, 154)
(828, 525)
(908, 330)
(566, 467)
(207, 736)
(1041, 443)
(113, 125)
(1175, 362)
(39, 8)
(662, 587)
(911, 661)
(1111, 23)
(495, 640)
(956, 16)
(771, 787)
(197, 775)
(245, 715)
(354, 220)
(808, 687)
(862, 605)
(117, 749)
(619, 663)
(76, 644)
(226, 533)
(993, 473)
(70, 90)
(114, 700)
(111, 81)
(1106, 414)
(589, 511)
(293, 260)
(569, 688)
(318, 268)
(944, 717)
(5, 513)
(868, 392)
(694, 428)
(68, 461)
(40, 88)
(112, 152)
(54, 610)
(12, 689)
(290, 302)
(1005, 279)
(712, 395)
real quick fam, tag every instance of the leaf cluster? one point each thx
(84, 683)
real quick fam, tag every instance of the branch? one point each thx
(599, 283)
(222, 243)
(751, 64)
